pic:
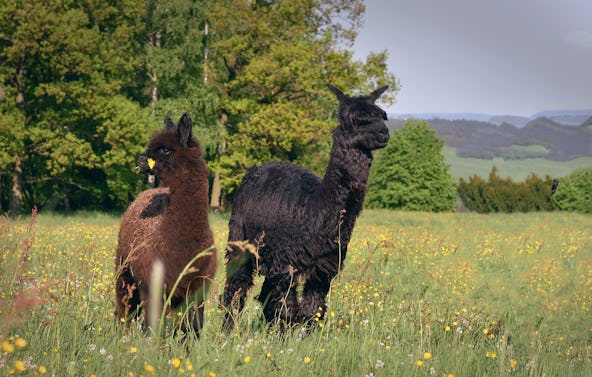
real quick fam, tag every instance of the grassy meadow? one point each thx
(420, 295)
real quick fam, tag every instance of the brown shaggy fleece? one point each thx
(169, 224)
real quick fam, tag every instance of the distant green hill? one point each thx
(539, 138)
(516, 169)
(542, 146)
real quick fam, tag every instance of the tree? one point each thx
(271, 64)
(574, 192)
(472, 193)
(64, 66)
(410, 173)
(84, 84)
(176, 65)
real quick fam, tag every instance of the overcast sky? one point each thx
(514, 57)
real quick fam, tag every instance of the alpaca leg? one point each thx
(194, 320)
(145, 305)
(313, 298)
(235, 292)
(127, 297)
(278, 298)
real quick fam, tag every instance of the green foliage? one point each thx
(574, 192)
(274, 61)
(504, 195)
(83, 85)
(410, 173)
(63, 68)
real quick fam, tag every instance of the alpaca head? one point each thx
(361, 121)
(171, 151)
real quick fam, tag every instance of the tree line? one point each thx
(84, 84)
(411, 174)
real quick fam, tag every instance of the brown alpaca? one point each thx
(168, 224)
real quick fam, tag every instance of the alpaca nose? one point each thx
(384, 134)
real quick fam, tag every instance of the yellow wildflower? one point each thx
(42, 369)
(247, 359)
(149, 369)
(176, 362)
(19, 365)
(513, 363)
(7, 347)
(133, 349)
(20, 343)
(427, 355)
(306, 360)
(419, 363)
(212, 374)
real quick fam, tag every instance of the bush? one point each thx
(410, 173)
(504, 195)
(574, 192)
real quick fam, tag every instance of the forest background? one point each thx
(84, 84)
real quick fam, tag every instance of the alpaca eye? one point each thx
(165, 151)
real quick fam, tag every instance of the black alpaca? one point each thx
(301, 224)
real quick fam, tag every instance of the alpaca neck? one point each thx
(344, 184)
(188, 205)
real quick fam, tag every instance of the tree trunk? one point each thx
(15, 206)
(154, 43)
(215, 202)
(67, 206)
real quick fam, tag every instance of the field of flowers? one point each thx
(420, 295)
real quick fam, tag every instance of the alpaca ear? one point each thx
(184, 130)
(338, 93)
(169, 124)
(377, 93)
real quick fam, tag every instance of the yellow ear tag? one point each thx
(151, 163)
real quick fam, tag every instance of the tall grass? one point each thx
(420, 295)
